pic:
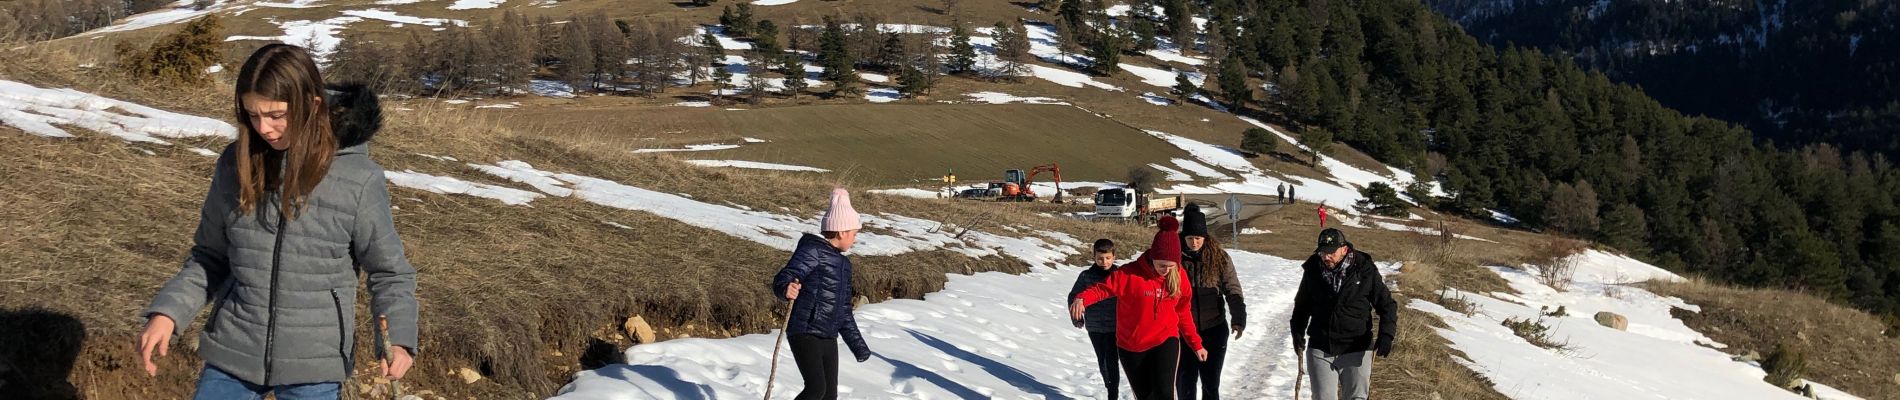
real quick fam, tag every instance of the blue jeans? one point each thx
(214, 384)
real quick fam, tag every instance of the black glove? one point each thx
(1384, 347)
(864, 357)
(1299, 344)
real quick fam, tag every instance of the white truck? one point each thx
(1125, 203)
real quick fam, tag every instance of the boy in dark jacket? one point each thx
(1100, 318)
(823, 313)
(1338, 293)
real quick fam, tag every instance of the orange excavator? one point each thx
(1017, 185)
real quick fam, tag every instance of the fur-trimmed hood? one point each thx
(355, 115)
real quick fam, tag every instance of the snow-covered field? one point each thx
(989, 335)
(1657, 358)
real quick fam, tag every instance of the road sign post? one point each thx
(1233, 217)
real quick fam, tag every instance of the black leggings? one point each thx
(817, 359)
(1105, 358)
(1207, 372)
(1151, 373)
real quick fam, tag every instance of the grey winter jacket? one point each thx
(283, 292)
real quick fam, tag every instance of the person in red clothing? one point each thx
(1152, 314)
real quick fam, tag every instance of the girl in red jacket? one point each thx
(1152, 314)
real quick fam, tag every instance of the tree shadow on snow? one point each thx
(666, 377)
(907, 370)
(1015, 377)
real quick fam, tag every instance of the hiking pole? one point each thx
(1300, 376)
(775, 346)
(382, 352)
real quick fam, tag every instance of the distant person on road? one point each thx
(1100, 317)
(1339, 291)
(295, 214)
(1216, 293)
(1280, 191)
(822, 314)
(1152, 317)
(1292, 194)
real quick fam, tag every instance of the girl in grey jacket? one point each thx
(295, 213)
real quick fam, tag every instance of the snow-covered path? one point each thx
(990, 335)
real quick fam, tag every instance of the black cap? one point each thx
(1193, 221)
(1331, 240)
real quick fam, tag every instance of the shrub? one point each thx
(1784, 366)
(181, 56)
(1380, 199)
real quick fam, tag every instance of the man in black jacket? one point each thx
(1339, 290)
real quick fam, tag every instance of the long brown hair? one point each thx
(286, 73)
(1214, 262)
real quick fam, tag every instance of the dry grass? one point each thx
(1844, 348)
(1422, 364)
(879, 143)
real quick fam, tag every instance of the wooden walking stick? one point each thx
(1300, 376)
(775, 347)
(382, 352)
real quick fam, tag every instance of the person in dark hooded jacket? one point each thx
(1100, 318)
(1217, 294)
(818, 282)
(1339, 291)
(296, 214)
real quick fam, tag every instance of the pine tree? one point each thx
(765, 42)
(742, 23)
(1233, 83)
(1259, 141)
(1107, 52)
(1318, 142)
(756, 81)
(834, 53)
(1184, 88)
(1067, 43)
(962, 54)
(715, 51)
(1012, 50)
(1624, 228)
(892, 54)
(721, 78)
(794, 74)
(1180, 24)
(1573, 209)
(1144, 35)
(911, 82)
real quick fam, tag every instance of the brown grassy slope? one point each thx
(522, 294)
(883, 144)
(1844, 347)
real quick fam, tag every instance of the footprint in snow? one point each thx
(1016, 308)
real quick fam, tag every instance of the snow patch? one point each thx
(1005, 98)
(754, 165)
(41, 112)
(475, 4)
(693, 147)
(450, 185)
(391, 16)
